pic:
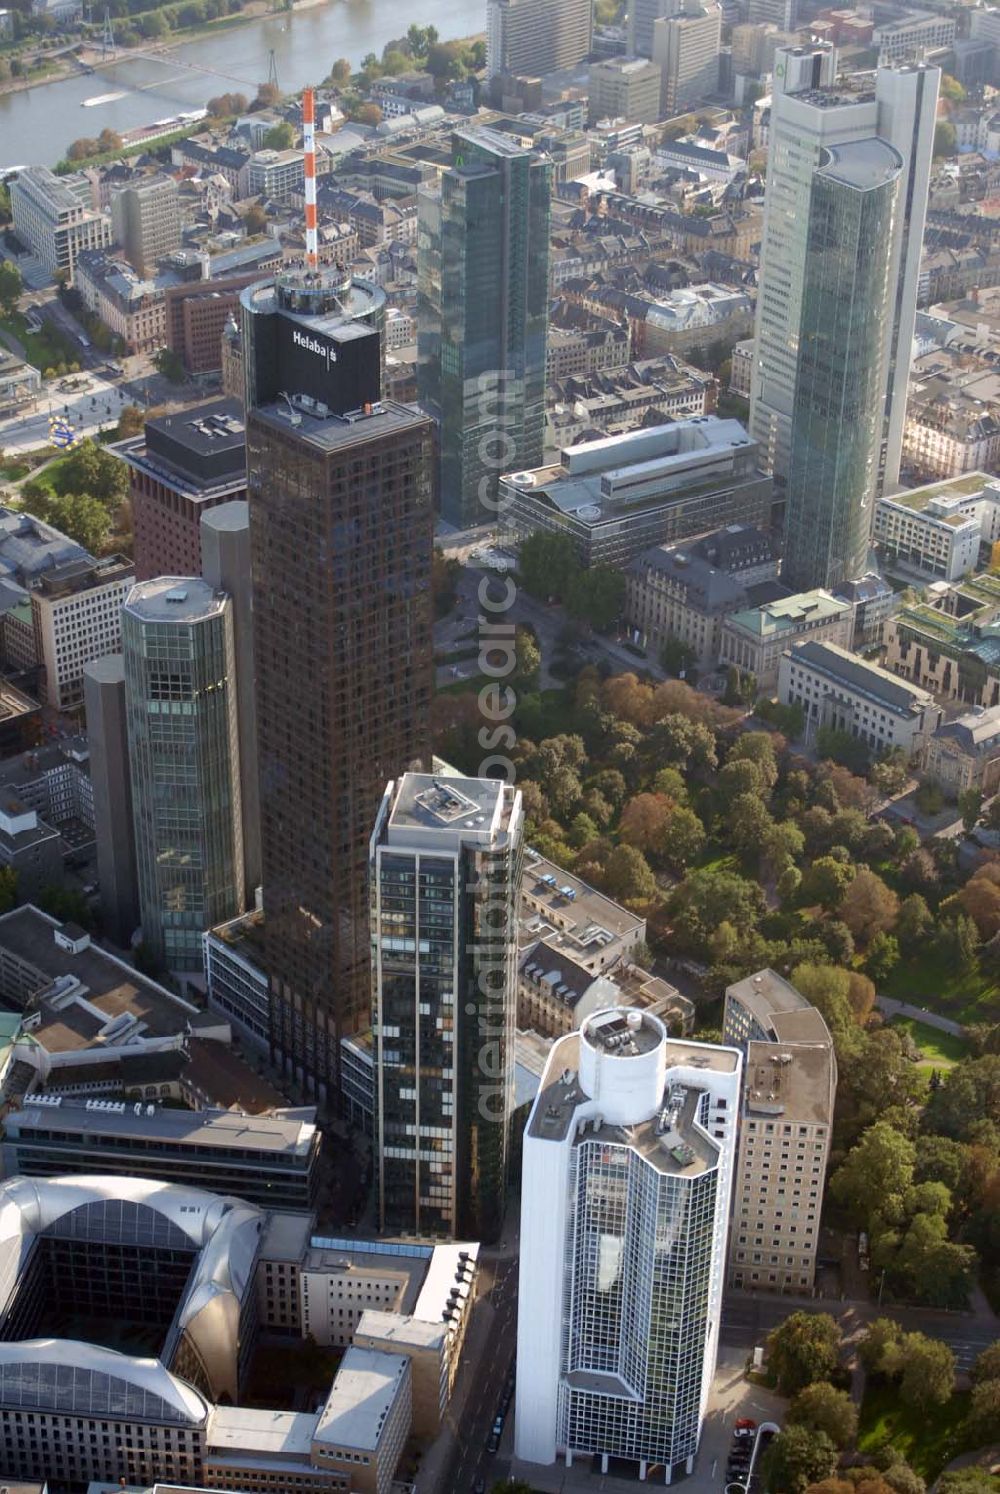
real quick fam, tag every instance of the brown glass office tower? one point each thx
(341, 492)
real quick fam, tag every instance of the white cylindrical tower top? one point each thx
(623, 1064)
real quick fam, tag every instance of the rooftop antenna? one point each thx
(309, 145)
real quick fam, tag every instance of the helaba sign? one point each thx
(314, 345)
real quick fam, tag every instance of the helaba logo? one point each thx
(313, 345)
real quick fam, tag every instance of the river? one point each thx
(38, 124)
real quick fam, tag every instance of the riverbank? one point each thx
(84, 58)
(144, 86)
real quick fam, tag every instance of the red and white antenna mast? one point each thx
(309, 144)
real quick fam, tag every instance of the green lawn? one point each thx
(44, 349)
(927, 1439)
(931, 981)
(939, 1049)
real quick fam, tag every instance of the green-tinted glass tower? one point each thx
(181, 709)
(483, 253)
(838, 409)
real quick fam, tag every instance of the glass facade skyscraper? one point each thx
(483, 256)
(181, 711)
(626, 1182)
(837, 412)
(444, 883)
(812, 226)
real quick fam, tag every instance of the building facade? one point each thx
(146, 218)
(839, 691)
(964, 754)
(686, 45)
(53, 218)
(624, 88)
(107, 731)
(182, 465)
(445, 878)
(627, 1176)
(76, 611)
(180, 690)
(846, 200)
(528, 38)
(618, 496)
(482, 315)
(786, 1122)
(755, 639)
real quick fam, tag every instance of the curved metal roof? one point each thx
(62, 1374)
(223, 1231)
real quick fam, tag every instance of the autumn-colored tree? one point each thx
(980, 898)
(869, 907)
(644, 820)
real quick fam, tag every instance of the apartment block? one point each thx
(686, 48)
(146, 218)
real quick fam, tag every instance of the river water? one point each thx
(38, 124)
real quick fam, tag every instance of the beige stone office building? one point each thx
(786, 1117)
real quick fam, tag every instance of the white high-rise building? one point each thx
(811, 120)
(529, 38)
(627, 1174)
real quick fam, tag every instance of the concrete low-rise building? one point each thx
(964, 753)
(838, 690)
(755, 640)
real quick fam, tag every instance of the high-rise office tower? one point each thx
(445, 885)
(483, 253)
(786, 1121)
(642, 15)
(529, 38)
(626, 1180)
(341, 494)
(847, 186)
(180, 701)
(686, 47)
(146, 218)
